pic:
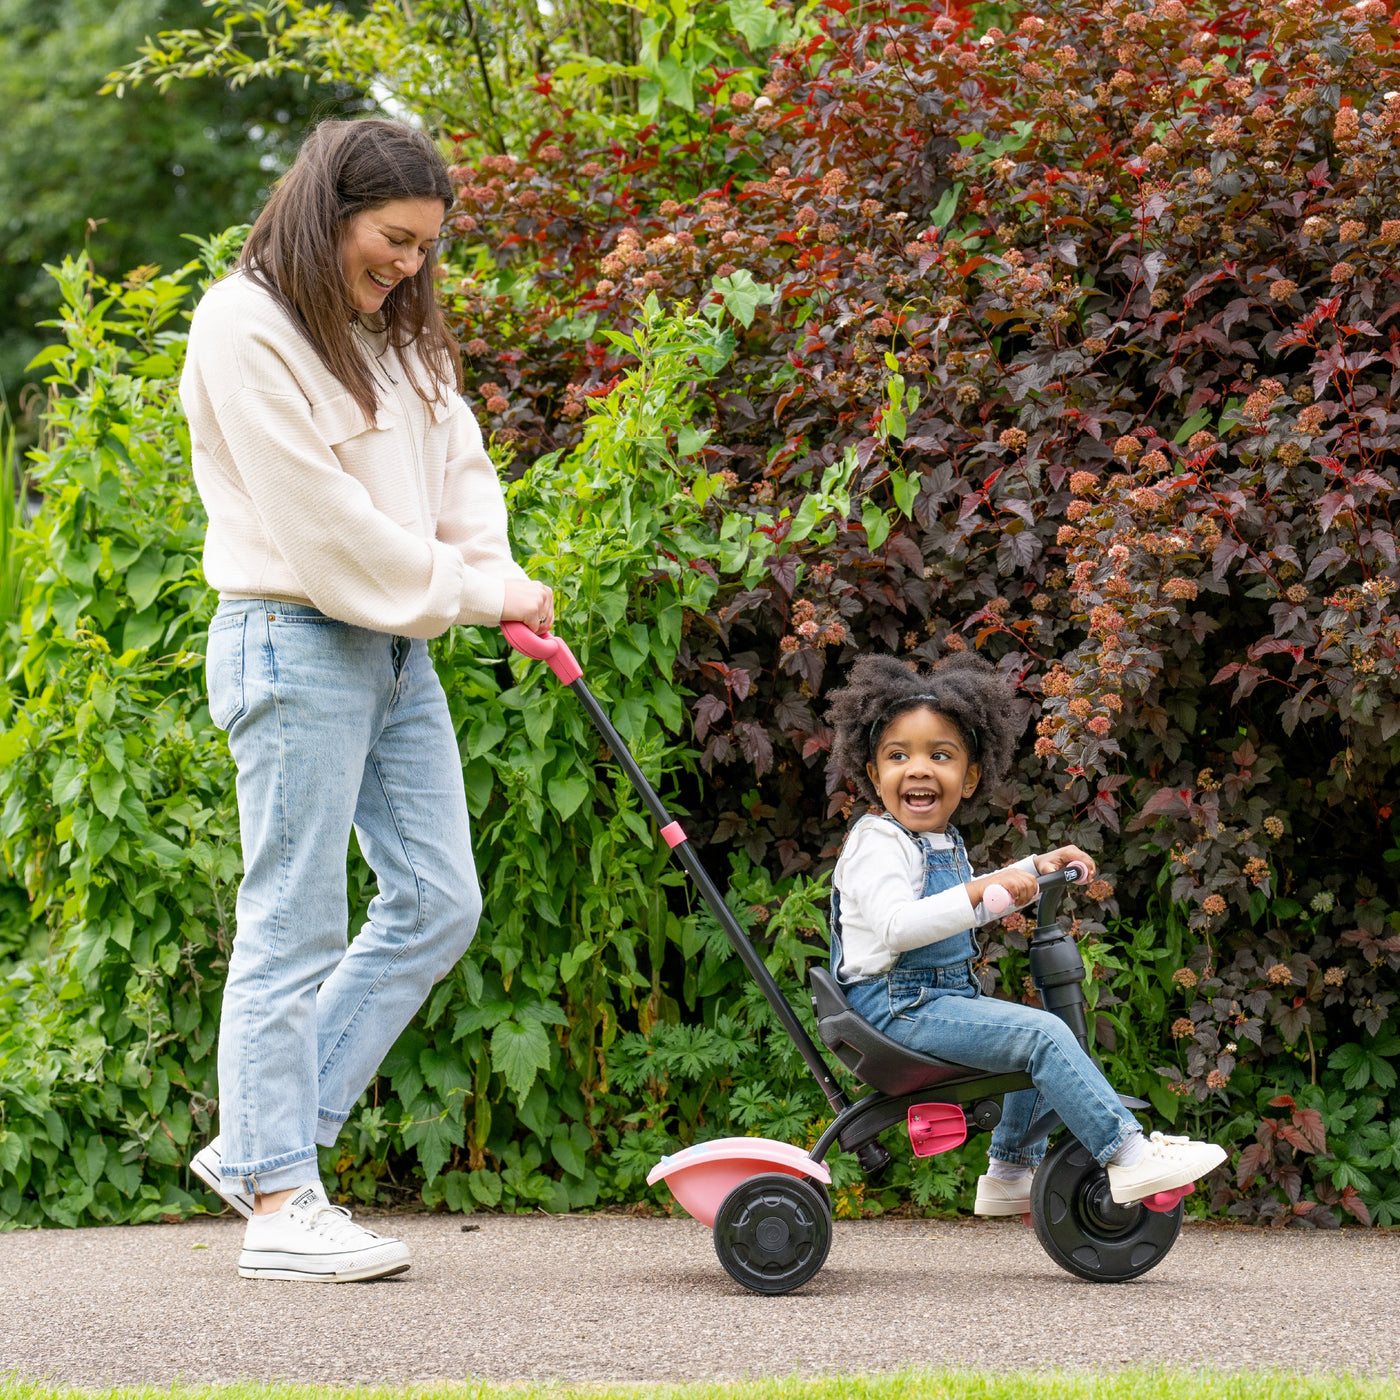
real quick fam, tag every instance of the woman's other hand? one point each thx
(1066, 855)
(529, 602)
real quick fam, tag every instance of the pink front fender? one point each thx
(700, 1177)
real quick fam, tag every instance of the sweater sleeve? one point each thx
(353, 562)
(878, 882)
(473, 515)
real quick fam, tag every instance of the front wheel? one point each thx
(1084, 1230)
(772, 1232)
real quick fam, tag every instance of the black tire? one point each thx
(1084, 1231)
(773, 1231)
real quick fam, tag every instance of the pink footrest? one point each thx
(936, 1127)
(1163, 1201)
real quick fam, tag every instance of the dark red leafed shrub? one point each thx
(1098, 320)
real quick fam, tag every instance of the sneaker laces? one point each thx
(334, 1224)
(1160, 1143)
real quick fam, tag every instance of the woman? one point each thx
(353, 514)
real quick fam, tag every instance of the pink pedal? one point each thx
(936, 1127)
(1163, 1201)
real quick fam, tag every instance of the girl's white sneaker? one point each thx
(1167, 1163)
(312, 1241)
(205, 1165)
(997, 1196)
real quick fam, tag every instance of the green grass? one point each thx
(1129, 1384)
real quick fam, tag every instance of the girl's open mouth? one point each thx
(379, 281)
(920, 799)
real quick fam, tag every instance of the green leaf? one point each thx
(946, 207)
(143, 579)
(566, 795)
(107, 786)
(691, 439)
(434, 1135)
(876, 522)
(67, 782)
(486, 1187)
(741, 295)
(574, 959)
(47, 356)
(519, 1050)
(1193, 424)
(755, 21)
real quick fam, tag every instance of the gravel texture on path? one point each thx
(615, 1298)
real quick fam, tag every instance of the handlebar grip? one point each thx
(1075, 873)
(996, 900)
(553, 651)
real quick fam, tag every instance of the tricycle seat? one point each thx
(873, 1057)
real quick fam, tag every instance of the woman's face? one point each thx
(380, 247)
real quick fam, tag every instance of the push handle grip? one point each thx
(553, 651)
(996, 899)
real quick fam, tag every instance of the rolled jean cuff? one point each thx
(1124, 1133)
(1027, 1157)
(284, 1173)
(328, 1126)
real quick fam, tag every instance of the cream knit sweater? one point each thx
(398, 526)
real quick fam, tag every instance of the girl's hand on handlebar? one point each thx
(1019, 884)
(529, 602)
(1066, 855)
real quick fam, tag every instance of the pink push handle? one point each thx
(553, 651)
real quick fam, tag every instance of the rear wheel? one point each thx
(773, 1231)
(1084, 1230)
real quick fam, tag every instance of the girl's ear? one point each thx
(971, 779)
(873, 773)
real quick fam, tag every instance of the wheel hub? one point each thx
(772, 1232)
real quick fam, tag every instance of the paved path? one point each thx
(618, 1298)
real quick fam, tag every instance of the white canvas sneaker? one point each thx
(1168, 1162)
(312, 1241)
(996, 1196)
(205, 1165)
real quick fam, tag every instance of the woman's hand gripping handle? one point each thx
(553, 651)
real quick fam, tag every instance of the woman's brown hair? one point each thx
(293, 250)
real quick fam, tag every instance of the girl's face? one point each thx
(380, 247)
(922, 769)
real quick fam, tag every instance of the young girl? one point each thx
(906, 903)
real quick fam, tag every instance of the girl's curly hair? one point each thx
(963, 687)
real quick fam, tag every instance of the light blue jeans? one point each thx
(330, 726)
(942, 1012)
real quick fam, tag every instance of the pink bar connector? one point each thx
(672, 835)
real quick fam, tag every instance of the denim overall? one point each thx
(931, 1001)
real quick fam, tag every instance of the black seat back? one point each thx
(869, 1054)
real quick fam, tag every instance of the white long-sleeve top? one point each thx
(880, 878)
(397, 525)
